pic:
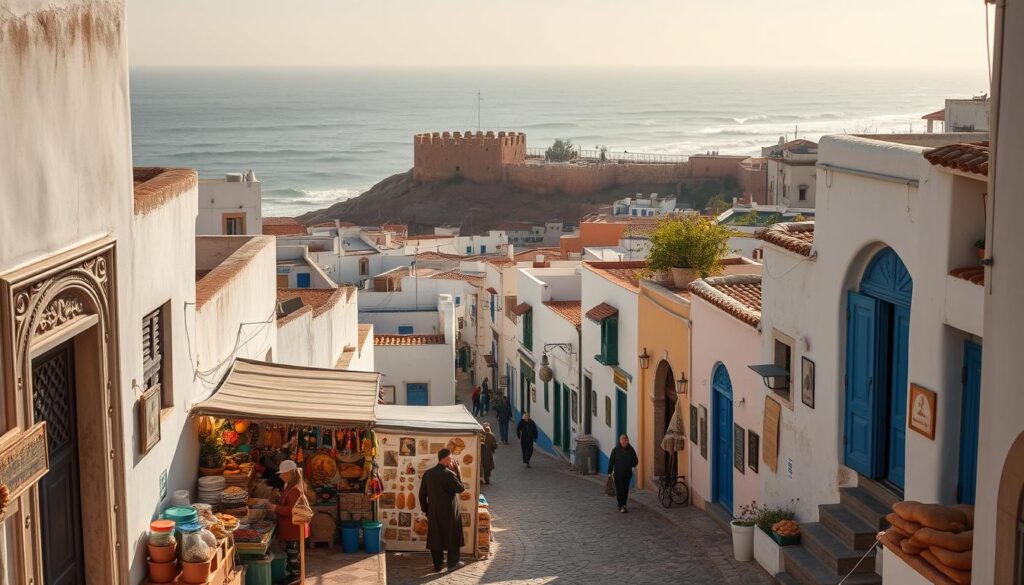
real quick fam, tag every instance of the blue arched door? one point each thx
(877, 340)
(721, 438)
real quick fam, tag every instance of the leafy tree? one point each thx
(561, 151)
(688, 242)
(717, 205)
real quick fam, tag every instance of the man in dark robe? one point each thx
(439, 500)
(620, 466)
(528, 434)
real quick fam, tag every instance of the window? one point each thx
(803, 192)
(528, 330)
(783, 354)
(364, 267)
(405, 330)
(483, 249)
(154, 370)
(469, 249)
(494, 301)
(233, 224)
(609, 355)
(458, 301)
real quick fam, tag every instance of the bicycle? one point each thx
(673, 490)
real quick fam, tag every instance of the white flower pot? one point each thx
(767, 552)
(743, 542)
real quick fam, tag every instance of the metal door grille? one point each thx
(52, 398)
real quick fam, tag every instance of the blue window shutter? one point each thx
(405, 330)
(483, 249)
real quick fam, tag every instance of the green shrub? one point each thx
(691, 242)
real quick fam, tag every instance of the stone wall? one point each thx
(578, 179)
(480, 157)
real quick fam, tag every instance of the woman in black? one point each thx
(620, 466)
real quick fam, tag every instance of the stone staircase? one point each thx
(830, 548)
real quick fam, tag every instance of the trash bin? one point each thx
(586, 455)
(279, 566)
(258, 570)
(371, 536)
(350, 536)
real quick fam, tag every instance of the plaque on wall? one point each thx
(25, 461)
(753, 450)
(739, 453)
(703, 432)
(921, 417)
(693, 424)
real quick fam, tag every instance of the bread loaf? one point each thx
(961, 542)
(955, 560)
(910, 548)
(905, 526)
(968, 511)
(932, 515)
(957, 576)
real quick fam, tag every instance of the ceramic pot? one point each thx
(196, 573)
(163, 554)
(163, 572)
(211, 470)
(682, 277)
(980, 253)
(743, 543)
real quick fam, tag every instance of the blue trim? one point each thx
(886, 278)
(721, 438)
(860, 439)
(969, 414)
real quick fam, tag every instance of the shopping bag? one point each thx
(302, 513)
(609, 487)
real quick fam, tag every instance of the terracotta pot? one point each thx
(682, 277)
(163, 572)
(211, 470)
(980, 252)
(163, 554)
(196, 573)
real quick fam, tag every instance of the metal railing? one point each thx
(594, 156)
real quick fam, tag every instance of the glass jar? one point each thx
(194, 549)
(161, 533)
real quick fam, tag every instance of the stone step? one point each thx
(866, 506)
(847, 526)
(807, 569)
(784, 579)
(822, 543)
(878, 491)
(720, 515)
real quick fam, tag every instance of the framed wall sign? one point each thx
(149, 419)
(807, 382)
(608, 411)
(753, 450)
(739, 453)
(693, 425)
(703, 432)
(387, 394)
(921, 416)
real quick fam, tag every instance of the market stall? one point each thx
(409, 439)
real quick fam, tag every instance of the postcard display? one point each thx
(403, 459)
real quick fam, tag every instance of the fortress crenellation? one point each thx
(477, 156)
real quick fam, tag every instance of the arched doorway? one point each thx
(665, 400)
(877, 341)
(1010, 517)
(721, 437)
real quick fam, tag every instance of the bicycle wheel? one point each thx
(678, 494)
(665, 495)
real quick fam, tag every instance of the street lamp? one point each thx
(683, 382)
(645, 360)
(544, 373)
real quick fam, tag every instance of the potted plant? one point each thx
(689, 247)
(211, 454)
(979, 249)
(767, 544)
(743, 532)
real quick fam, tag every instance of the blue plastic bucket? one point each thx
(350, 536)
(371, 536)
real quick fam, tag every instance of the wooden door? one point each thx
(60, 506)
(721, 436)
(861, 428)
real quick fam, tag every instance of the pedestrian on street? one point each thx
(487, 453)
(287, 531)
(476, 401)
(527, 433)
(439, 500)
(620, 466)
(485, 402)
(504, 412)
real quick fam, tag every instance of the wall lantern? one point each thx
(544, 372)
(775, 377)
(682, 384)
(645, 360)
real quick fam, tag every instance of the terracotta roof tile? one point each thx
(282, 226)
(736, 294)
(569, 310)
(938, 116)
(322, 300)
(364, 332)
(491, 290)
(975, 274)
(345, 359)
(521, 309)
(456, 274)
(415, 339)
(432, 255)
(624, 273)
(154, 186)
(210, 282)
(793, 236)
(967, 157)
(601, 312)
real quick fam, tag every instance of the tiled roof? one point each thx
(515, 226)
(491, 290)
(428, 237)
(154, 186)
(975, 274)
(399, 228)
(432, 255)
(639, 230)
(736, 294)
(320, 299)
(601, 312)
(967, 157)
(489, 359)
(282, 226)
(414, 339)
(938, 115)
(624, 273)
(569, 310)
(364, 332)
(211, 281)
(793, 236)
(521, 309)
(345, 359)
(456, 274)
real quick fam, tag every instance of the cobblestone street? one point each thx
(551, 526)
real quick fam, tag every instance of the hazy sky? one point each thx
(686, 33)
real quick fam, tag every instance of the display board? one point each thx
(404, 457)
(770, 433)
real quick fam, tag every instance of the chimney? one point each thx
(446, 315)
(541, 261)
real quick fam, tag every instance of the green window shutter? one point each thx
(528, 330)
(612, 354)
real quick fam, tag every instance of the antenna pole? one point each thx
(478, 100)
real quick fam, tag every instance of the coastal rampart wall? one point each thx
(715, 165)
(478, 156)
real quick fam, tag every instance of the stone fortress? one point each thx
(489, 157)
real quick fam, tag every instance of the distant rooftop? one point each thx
(624, 273)
(569, 310)
(405, 340)
(282, 226)
(738, 295)
(741, 217)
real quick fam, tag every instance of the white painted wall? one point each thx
(967, 115)
(433, 364)
(217, 196)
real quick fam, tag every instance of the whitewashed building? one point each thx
(320, 328)
(419, 368)
(641, 206)
(791, 173)
(230, 206)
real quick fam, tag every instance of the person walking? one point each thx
(490, 445)
(439, 500)
(287, 531)
(527, 432)
(620, 466)
(504, 412)
(476, 401)
(485, 402)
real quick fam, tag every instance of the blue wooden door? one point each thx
(621, 417)
(860, 440)
(898, 396)
(558, 416)
(302, 280)
(721, 437)
(969, 411)
(416, 394)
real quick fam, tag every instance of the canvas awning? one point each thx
(267, 392)
(426, 419)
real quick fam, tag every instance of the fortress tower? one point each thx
(478, 156)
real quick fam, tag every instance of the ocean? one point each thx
(318, 136)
